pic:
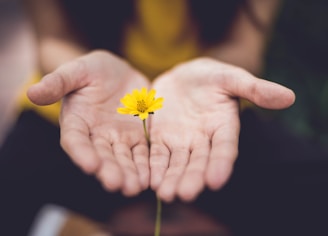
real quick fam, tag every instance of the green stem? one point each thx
(159, 203)
(146, 132)
(158, 217)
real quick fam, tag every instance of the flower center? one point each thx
(141, 106)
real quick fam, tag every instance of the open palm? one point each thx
(99, 140)
(195, 136)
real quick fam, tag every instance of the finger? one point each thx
(178, 162)
(263, 93)
(67, 78)
(223, 153)
(123, 155)
(193, 180)
(75, 141)
(140, 155)
(110, 173)
(159, 162)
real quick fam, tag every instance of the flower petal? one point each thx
(143, 115)
(140, 102)
(123, 110)
(157, 104)
(136, 94)
(143, 93)
(150, 97)
(129, 101)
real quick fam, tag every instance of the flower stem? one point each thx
(146, 132)
(158, 217)
(159, 203)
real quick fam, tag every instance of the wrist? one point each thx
(55, 52)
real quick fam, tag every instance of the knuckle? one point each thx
(79, 69)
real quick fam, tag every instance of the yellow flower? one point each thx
(140, 103)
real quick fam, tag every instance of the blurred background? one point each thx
(17, 59)
(297, 58)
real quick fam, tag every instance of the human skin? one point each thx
(112, 147)
(194, 138)
(98, 139)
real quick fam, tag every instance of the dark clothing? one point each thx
(277, 188)
(100, 23)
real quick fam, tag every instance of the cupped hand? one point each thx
(97, 139)
(194, 137)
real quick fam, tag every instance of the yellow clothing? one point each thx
(50, 112)
(161, 37)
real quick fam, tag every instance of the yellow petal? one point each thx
(143, 115)
(123, 110)
(150, 96)
(129, 102)
(157, 104)
(143, 92)
(136, 94)
(134, 112)
(140, 102)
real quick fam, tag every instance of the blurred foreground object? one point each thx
(56, 221)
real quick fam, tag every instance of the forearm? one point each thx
(54, 52)
(245, 44)
(56, 42)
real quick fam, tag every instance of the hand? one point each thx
(97, 139)
(195, 135)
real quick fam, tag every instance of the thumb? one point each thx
(261, 92)
(54, 86)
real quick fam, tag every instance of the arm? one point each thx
(97, 139)
(57, 43)
(195, 136)
(246, 42)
